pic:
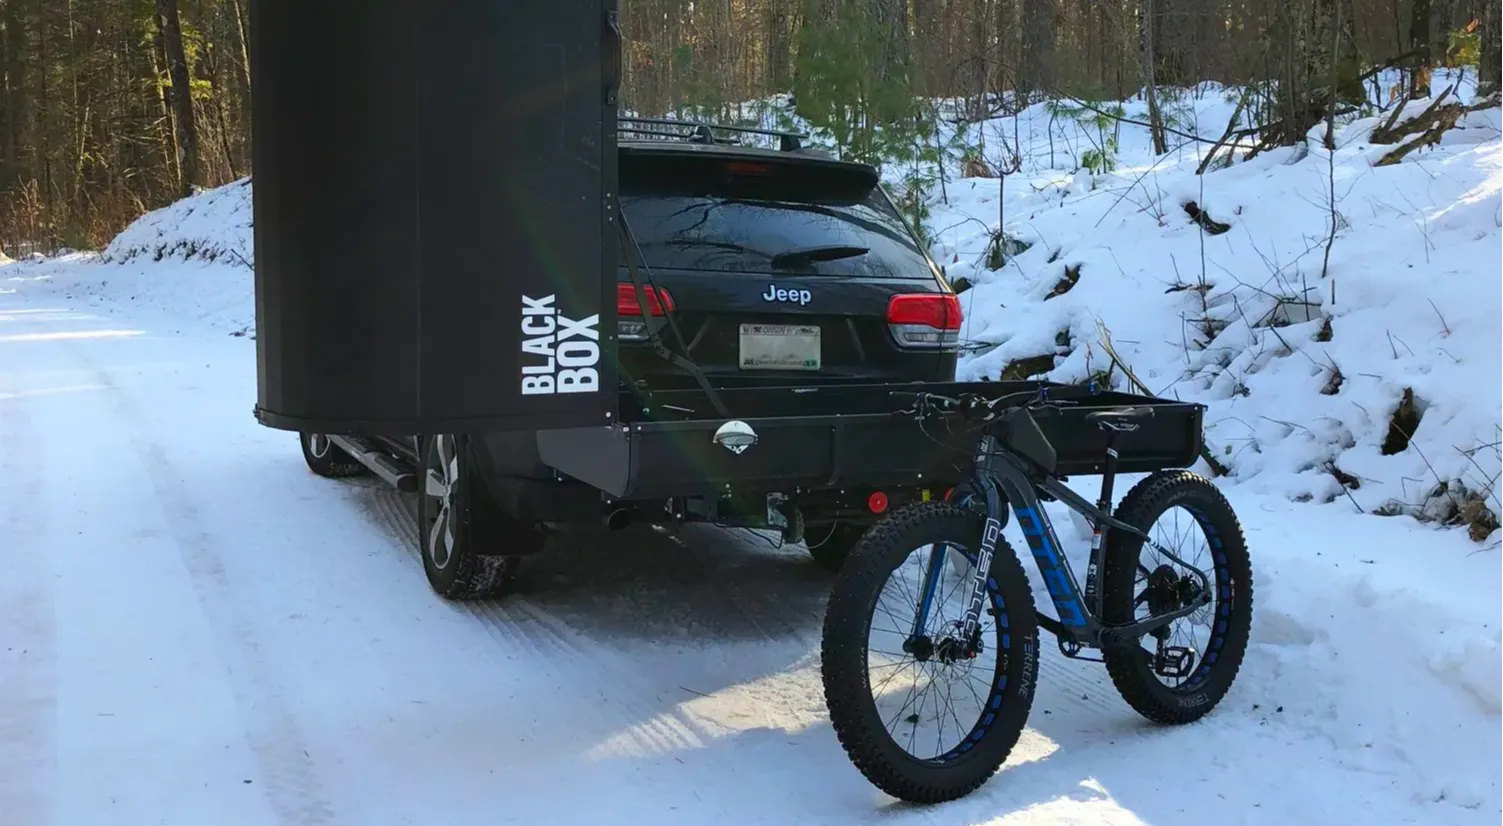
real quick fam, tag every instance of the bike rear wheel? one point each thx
(923, 715)
(1181, 673)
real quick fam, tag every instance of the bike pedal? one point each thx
(1174, 661)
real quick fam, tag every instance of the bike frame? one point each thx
(1003, 479)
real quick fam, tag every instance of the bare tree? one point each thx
(182, 92)
(1146, 63)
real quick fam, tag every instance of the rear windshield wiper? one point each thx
(808, 255)
(695, 242)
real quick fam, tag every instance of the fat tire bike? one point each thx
(1136, 590)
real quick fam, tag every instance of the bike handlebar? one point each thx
(972, 406)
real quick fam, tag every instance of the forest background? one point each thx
(112, 108)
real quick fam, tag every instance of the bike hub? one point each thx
(922, 648)
(1169, 591)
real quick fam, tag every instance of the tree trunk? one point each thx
(242, 65)
(172, 156)
(894, 60)
(778, 51)
(1037, 72)
(15, 114)
(182, 92)
(1488, 68)
(1145, 66)
(1420, 42)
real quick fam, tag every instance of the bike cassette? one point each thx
(1174, 661)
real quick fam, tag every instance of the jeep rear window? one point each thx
(723, 227)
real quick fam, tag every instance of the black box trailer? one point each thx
(397, 146)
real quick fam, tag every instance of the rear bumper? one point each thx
(525, 487)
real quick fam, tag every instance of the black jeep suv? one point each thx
(777, 266)
(780, 266)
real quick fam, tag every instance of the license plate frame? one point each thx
(792, 347)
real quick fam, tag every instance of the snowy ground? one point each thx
(194, 629)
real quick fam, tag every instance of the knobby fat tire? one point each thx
(844, 670)
(1130, 668)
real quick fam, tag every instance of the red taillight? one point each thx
(926, 321)
(940, 311)
(877, 502)
(657, 301)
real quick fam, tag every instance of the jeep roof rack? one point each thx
(700, 132)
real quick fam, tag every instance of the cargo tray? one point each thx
(842, 435)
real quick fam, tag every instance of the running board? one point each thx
(378, 462)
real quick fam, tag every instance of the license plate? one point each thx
(780, 347)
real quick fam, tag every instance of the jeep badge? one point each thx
(780, 295)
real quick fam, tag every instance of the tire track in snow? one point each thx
(627, 701)
(1073, 694)
(1069, 687)
(290, 782)
(28, 643)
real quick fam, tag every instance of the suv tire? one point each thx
(326, 458)
(471, 548)
(830, 545)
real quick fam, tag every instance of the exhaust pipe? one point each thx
(619, 518)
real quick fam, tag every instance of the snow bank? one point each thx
(188, 262)
(213, 225)
(1304, 354)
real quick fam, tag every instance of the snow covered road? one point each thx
(194, 629)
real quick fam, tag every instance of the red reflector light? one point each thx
(877, 502)
(940, 311)
(744, 168)
(627, 305)
(949, 494)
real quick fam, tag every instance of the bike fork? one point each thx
(991, 532)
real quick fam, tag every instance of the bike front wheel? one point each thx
(925, 715)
